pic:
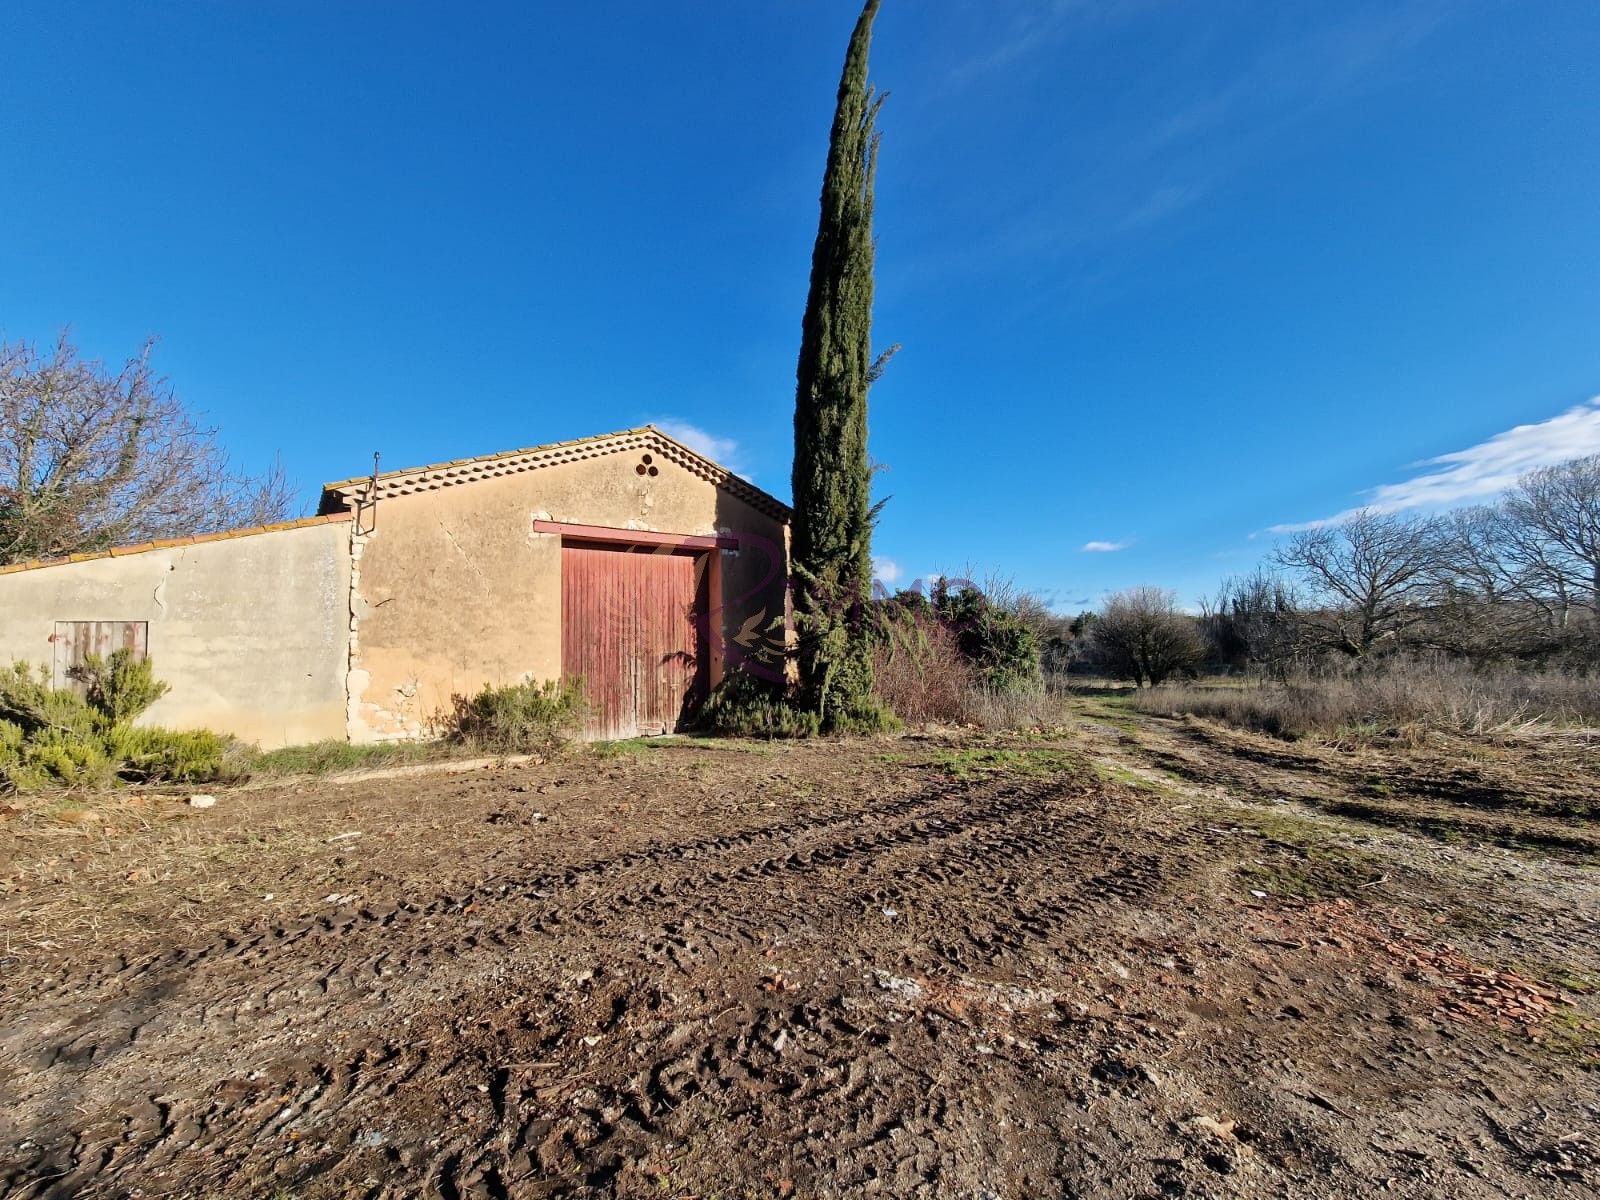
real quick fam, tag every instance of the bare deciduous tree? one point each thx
(1554, 514)
(1371, 573)
(1541, 573)
(1142, 635)
(1492, 599)
(1254, 621)
(1474, 563)
(92, 458)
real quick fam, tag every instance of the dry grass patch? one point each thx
(1405, 702)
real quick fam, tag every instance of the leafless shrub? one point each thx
(1031, 707)
(919, 672)
(1254, 622)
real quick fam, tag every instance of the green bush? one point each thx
(70, 760)
(522, 718)
(48, 738)
(744, 706)
(24, 763)
(54, 738)
(866, 714)
(13, 764)
(119, 686)
(28, 701)
(173, 755)
(1000, 649)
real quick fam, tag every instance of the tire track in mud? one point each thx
(134, 991)
(538, 914)
(266, 943)
(1029, 855)
(533, 905)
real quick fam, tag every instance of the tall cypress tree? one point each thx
(832, 536)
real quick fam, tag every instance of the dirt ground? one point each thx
(1127, 958)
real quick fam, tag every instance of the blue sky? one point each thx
(1168, 275)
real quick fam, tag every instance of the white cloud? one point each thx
(886, 571)
(1482, 471)
(1036, 25)
(1105, 547)
(720, 450)
(1164, 202)
(1028, 31)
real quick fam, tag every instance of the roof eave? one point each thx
(348, 492)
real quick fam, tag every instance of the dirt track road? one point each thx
(812, 970)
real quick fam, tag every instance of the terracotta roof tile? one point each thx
(167, 543)
(466, 470)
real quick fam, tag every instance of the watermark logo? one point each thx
(750, 602)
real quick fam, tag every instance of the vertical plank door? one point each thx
(75, 640)
(631, 620)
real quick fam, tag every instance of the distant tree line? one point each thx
(1516, 581)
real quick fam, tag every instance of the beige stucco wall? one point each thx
(455, 589)
(251, 632)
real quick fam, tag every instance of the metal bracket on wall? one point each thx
(367, 506)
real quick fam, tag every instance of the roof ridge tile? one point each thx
(407, 480)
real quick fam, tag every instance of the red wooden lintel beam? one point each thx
(635, 537)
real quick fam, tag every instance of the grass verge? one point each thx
(330, 757)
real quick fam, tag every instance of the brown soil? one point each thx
(941, 966)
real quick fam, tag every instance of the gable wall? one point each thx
(454, 589)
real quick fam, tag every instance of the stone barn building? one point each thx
(627, 559)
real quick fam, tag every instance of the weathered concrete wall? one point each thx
(455, 588)
(251, 632)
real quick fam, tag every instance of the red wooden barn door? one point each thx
(631, 618)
